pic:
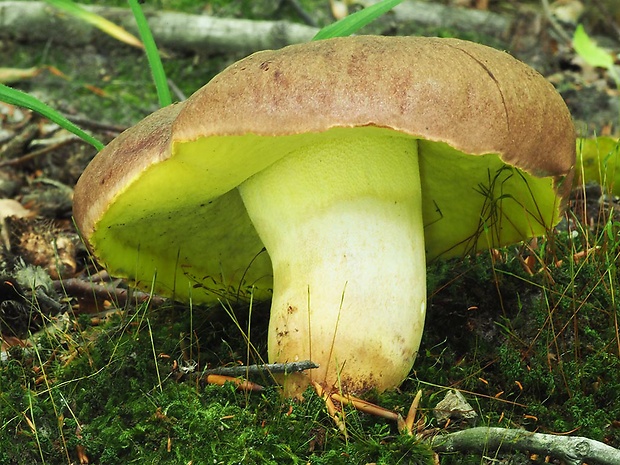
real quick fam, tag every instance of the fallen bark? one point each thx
(39, 22)
(572, 449)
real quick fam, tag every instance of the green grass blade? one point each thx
(152, 54)
(98, 21)
(352, 23)
(19, 98)
(587, 49)
(594, 55)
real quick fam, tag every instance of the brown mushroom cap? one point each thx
(456, 97)
(119, 163)
(474, 98)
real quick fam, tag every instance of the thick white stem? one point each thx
(341, 219)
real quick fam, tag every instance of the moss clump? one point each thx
(549, 359)
(110, 398)
(530, 351)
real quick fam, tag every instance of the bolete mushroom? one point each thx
(351, 161)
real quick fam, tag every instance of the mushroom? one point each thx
(351, 161)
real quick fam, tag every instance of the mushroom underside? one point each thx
(457, 204)
(468, 203)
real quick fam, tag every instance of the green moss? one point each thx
(539, 352)
(553, 353)
(122, 404)
(530, 352)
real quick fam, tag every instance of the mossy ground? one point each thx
(540, 351)
(111, 392)
(537, 352)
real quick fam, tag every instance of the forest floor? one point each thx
(93, 373)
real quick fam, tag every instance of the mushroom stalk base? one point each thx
(341, 218)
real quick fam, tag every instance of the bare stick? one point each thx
(573, 450)
(80, 288)
(556, 25)
(267, 368)
(115, 128)
(35, 21)
(37, 153)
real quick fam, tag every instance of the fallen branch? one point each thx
(40, 22)
(436, 15)
(37, 153)
(572, 449)
(264, 369)
(35, 21)
(100, 292)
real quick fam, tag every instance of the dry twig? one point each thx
(264, 369)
